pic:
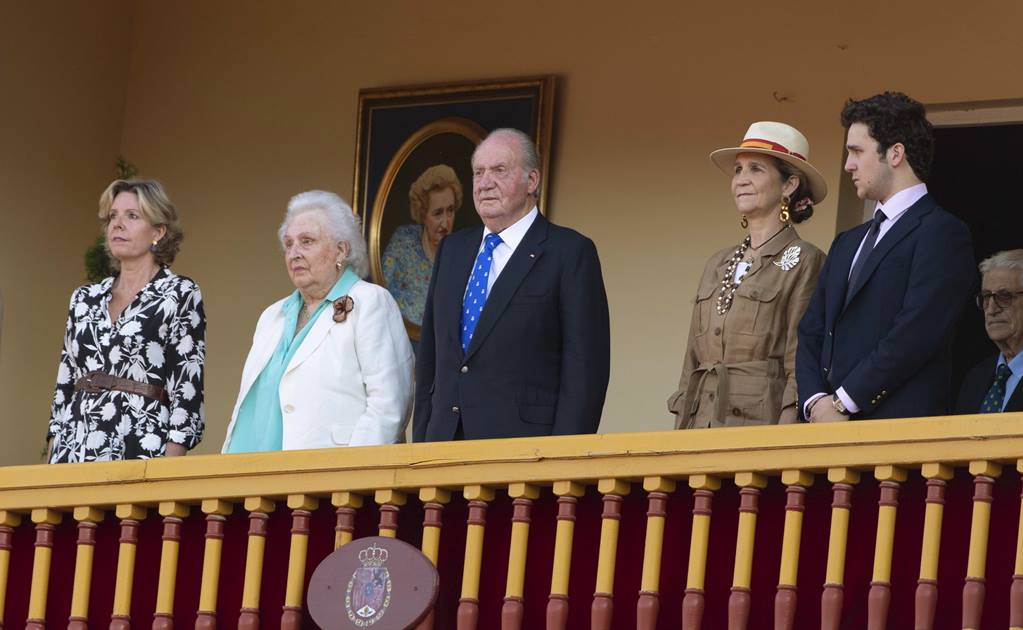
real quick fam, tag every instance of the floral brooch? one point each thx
(789, 259)
(342, 307)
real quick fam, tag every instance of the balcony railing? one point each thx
(899, 524)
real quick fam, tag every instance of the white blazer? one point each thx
(349, 383)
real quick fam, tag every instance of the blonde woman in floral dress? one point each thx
(130, 377)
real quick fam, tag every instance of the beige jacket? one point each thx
(739, 368)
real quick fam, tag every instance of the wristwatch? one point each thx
(839, 406)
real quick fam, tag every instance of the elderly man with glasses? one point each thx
(993, 385)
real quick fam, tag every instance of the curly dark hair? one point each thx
(893, 118)
(798, 212)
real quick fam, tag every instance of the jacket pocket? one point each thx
(536, 414)
(755, 308)
(341, 433)
(702, 308)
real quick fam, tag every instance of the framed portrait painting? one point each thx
(413, 176)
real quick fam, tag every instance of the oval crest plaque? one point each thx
(373, 583)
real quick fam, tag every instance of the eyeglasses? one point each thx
(1003, 299)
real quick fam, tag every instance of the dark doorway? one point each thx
(977, 176)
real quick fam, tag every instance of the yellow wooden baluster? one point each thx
(692, 604)
(568, 493)
(936, 475)
(390, 502)
(346, 504)
(1016, 592)
(434, 499)
(8, 521)
(603, 604)
(259, 509)
(46, 521)
(512, 610)
(173, 514)
(984, 474)
(739, 601)
(131, 517)
(648, 606)
(842, 480)
(468, 605)
(87, 518)
(796, 483)
(302, 506)
(879, 598)
(216, 512)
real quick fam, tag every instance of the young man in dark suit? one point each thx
(874, 341)
(515, 337)
(993, 385)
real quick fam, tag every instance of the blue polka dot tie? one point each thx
(996, 395)
(476, 293)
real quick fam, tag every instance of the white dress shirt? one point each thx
(511, 236)
(896, 207)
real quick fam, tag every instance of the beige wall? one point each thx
(62, 69)
(237, 105)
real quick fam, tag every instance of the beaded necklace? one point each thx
(729, 283)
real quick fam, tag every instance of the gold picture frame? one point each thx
(402, 130)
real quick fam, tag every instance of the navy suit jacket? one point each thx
(539, 360)
(976, 385)
(889, 347)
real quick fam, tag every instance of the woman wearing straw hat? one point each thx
(739, 365)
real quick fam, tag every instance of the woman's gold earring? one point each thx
(339, 264)
(744, 222)
(784, 214)
(152, 247)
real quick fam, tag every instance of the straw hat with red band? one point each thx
(781, 141)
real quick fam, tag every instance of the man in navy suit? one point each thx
(874, 341)
(515, 338)
(993, 385)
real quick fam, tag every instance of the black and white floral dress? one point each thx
(159, 339)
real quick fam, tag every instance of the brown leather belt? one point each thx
(96, 381)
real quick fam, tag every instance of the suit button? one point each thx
(465, 369)
(711, 396)
(717, 332)
(455, 409)
(754, 294)
(825, 370)
(831, 333)
(288, 408)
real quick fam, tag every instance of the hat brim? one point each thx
(725, 159)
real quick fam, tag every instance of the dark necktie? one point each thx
(992, 402)
(868, 246)
(476, 293)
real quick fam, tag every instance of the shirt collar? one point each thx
(901, 201)
(294, 301)
(514, 233)
(1016, 365)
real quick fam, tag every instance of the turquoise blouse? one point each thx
(260, 422)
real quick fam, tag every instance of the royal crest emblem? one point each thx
(789, 259)
(369, 591)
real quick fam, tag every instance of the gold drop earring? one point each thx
(744, 222)
(784, 214)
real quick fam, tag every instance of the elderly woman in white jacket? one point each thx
(331, 364)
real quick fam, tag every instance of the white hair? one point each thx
(529, 158)
(1008, 259)
(339, 221)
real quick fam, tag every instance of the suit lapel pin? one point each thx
(789, 259)
(342, 307)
